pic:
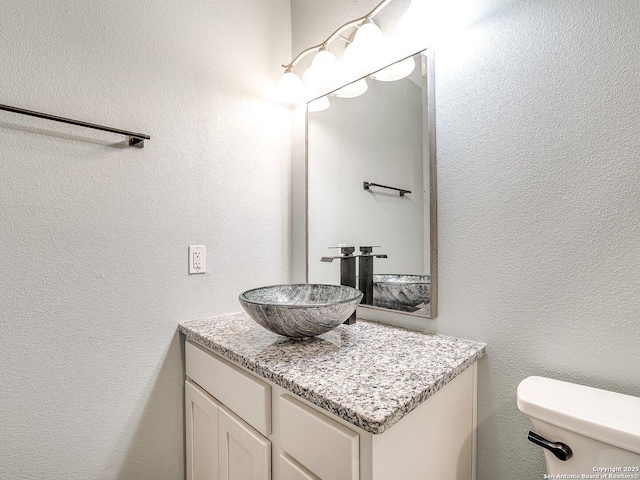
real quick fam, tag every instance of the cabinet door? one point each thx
(292, 470)
(244, 454)
(202, 433)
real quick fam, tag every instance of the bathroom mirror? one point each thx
(371, 181)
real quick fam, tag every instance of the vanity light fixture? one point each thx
(352, 90)
(319, 104)
(290, 87)
(366, 47)
(396, 71)
(323, 69)
(411, 26)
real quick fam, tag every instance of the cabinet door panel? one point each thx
(292, 470)
(202, 434)
(244, 454)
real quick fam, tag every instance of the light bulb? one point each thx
(367, 46)
(323, 69)
(370, 33)
(428, 22)
(324, 59)
(352, 90)
(396, 71)
(414, 25)
(319, 105)
(290, 88)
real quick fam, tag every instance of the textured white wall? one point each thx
(538, 124)
(93, 237)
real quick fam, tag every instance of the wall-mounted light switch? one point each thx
(197, 259)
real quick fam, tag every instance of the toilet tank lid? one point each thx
(608, 417)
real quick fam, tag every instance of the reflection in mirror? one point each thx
(371, 182)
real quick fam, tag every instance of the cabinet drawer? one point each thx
(244, 394)
(328, 449)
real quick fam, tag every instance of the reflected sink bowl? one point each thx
(407, 293)
(300, 311)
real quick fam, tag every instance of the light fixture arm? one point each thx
(335, 34)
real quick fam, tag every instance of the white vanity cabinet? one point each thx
(228, 418)
(243, 427)
(220, 445)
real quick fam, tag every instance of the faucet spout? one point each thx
(365, 281)
(347, 271)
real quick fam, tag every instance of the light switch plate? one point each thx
(197, 259)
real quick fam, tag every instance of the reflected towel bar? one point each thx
(402, 191)
(135, 139)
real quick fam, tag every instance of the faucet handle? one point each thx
(345, 250)
(367, 249)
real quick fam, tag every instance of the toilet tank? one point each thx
(602, 428)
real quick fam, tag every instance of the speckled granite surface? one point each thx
(369, 374)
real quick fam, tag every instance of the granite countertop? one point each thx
(369, 374)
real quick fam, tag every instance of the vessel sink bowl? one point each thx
(302, 310)
(407, 293)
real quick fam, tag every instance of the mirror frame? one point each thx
(430, 130)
